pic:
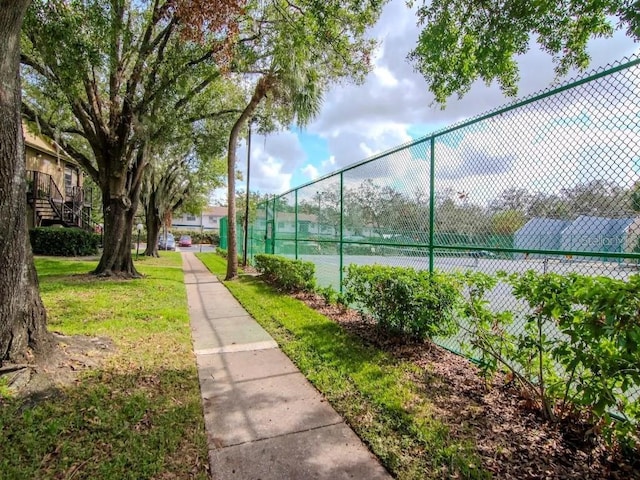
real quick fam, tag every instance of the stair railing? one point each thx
(42, 186)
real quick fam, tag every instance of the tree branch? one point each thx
(145, 48)
(49, 130)
(95, 110)
(158, 61)
(196, 90)
(172, 80)
(41, 69)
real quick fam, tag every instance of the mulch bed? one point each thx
(512, 438)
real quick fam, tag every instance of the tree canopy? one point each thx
(110, 78)
(463, 41)
(377, 211)
(289, 52)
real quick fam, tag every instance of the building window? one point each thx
(303, 227)
(213, 220)
(68, 177)
(191, 218)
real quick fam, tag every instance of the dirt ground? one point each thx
(71, 355)
(514, 441)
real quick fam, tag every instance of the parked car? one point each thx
(185, 241)
(166, 243)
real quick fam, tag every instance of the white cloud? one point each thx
(273, 159)
(329, 164)
(386, 78)
(310, 171)
(351, 145)
(270, 177)
(384, 75)
(358, 121)
(544, 147)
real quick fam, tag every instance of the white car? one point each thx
(167, 242)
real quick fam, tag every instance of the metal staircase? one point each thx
(51, 207)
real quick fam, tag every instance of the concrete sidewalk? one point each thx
(264, 420)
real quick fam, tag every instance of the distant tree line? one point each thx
(371, 209)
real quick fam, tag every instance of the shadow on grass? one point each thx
(62, 266)
(85, 281)
(108, 425)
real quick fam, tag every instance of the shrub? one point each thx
(285, 273)
(197, 237)
(329, 295)
(579, 349)
(600, 346)
(211, 237)
(333, 297)
(403, 300)
(63, 242)
(486, 332)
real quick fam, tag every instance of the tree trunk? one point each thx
(260, 91)
(153, 225)
(232, 247)
(120, 198)
(22, 313)
(118, 227)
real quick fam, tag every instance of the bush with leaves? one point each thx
(328, 294)
(526, 355)
(198, 237)
(333, 297)
(579, 349)
(63, 242)
(599, 318)
(405, 301)
(487, 332)
(287, 274)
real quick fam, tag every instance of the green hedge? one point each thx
(406, 301)
(63, 242)
(198, 237)
(285, 273)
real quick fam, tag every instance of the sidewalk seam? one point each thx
(281, 435)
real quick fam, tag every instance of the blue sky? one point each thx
(393, 106)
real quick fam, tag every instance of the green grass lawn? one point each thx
(375, 393)
(137, 416)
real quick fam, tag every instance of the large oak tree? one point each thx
(94, 70)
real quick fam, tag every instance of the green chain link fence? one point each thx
(549, 184)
